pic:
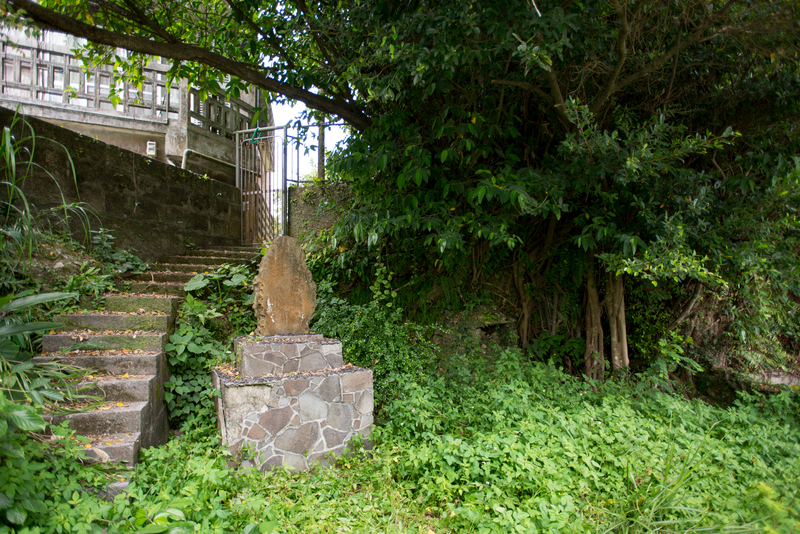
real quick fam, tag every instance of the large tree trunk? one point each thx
(594, 358)
(615, 306)
(526, 302)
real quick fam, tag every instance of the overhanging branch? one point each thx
(49, 19)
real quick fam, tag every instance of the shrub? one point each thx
(527, 448)
(192, 353)
(374, 335)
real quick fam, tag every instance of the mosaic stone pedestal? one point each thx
(291, 401)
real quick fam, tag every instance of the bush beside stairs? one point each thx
(125, 353)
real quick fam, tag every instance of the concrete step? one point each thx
(120, 448)
(247, 246)
(162, 276)
(122, 388)
(160, 288)
(132, 362)
(243, 254)
(106, 340)
(135, 303)
(206, 260)
(181, 267)
(109, 418)
(115, 321)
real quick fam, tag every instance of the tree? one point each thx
(650, 135)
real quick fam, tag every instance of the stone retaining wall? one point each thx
(314, 208)
(294, 420)
(146, 204)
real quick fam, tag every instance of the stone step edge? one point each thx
(124, 320)
(148, 363)
(119, 448)
(131, 302)
(164, 288)
(64, 339)
(112, 416)
(119, 384)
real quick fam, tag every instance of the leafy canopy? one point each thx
(659, 135)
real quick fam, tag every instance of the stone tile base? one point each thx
(294, 420)
(277, 355)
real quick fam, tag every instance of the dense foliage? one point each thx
(375, 336)
(622, 168)
(43, 478)
(216, 311)
(644, 143)
(525, 449)
(530, 449)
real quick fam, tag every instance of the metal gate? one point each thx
(261, 174)
(267, 160)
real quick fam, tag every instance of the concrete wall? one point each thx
(314, 208)
(151, 206)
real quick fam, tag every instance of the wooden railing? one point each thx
(46, 72)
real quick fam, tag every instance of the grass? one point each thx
(527, 449)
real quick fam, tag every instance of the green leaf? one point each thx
(198, 282)
(155, 528)
(24, 417)
(16, 516)
(27, 328)
(35, 300)
(236, 280)
(22, 367)
(8, 349)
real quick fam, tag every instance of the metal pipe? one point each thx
(190, 151)
(286, 127)
(285, 191)
(264, 129)
(238, 161)
(239, 186)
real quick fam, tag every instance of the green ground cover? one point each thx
(466, 440)
(524, 449)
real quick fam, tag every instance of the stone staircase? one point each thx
(170, 275)
(123, 345)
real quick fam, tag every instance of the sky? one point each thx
(284, 113)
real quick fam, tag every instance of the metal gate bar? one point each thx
(261, 175)
(263, 169)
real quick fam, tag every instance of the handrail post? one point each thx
(285, 191)
(238, 178)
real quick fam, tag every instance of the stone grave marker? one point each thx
(291, 399)
(285, 292)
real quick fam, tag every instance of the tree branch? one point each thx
(149, 23)
(558, 100)
(49, 19)
(687, 310)
(696, 38)
(270, 39)
(529, 86)
(315, 34)
(622, 51)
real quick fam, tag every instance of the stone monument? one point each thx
(285, 292)
(291, 399)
